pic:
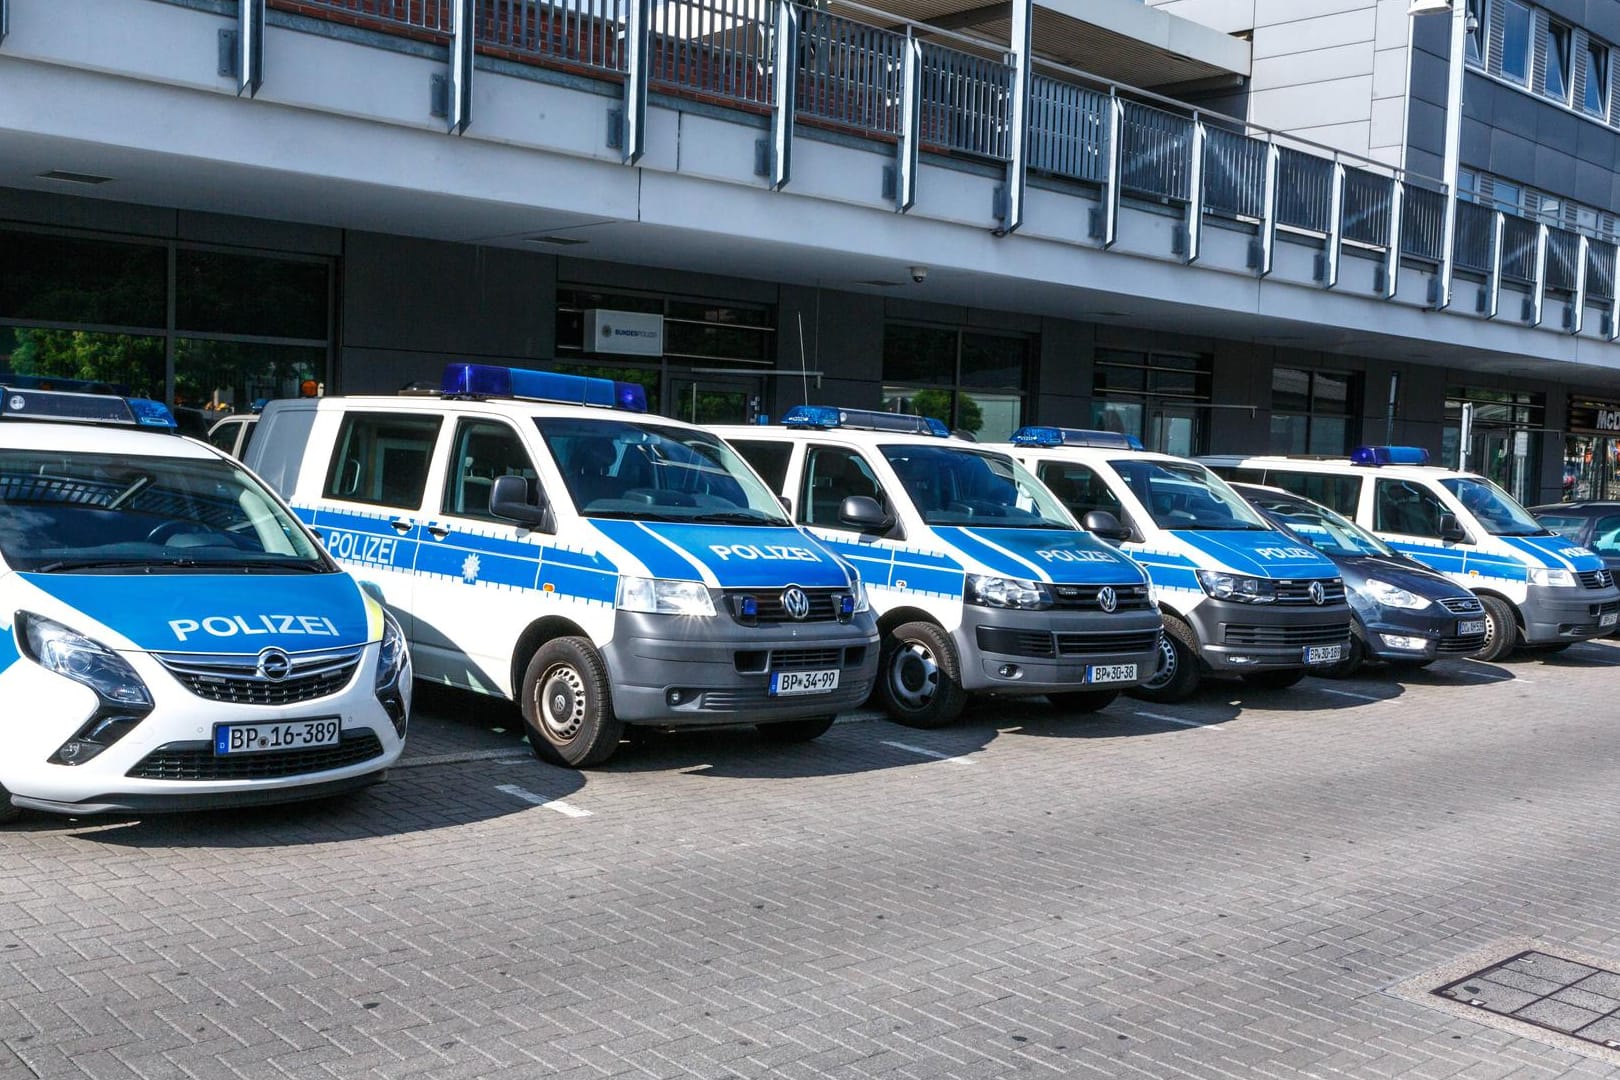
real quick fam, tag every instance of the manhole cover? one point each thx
(1560, 995)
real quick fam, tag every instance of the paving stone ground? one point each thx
(1229, 888)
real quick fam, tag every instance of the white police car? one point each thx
(542, 539)
(980, 579)
(1238, 597)
(170, 637)
(1538, 589)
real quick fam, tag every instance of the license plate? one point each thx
(1471, 626)
(1609, 619)
(1324, 654)
(287, 735)
(1100, 673)
(788, 683)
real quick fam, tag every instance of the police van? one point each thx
(171, 638)
(1538, 589)
(1238, 597)
(981, 581)
(541, 538)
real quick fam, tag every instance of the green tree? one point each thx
(114, 359)
(937, 404)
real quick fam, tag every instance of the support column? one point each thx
(461, 68)
(249, 45)
(1195, 195)
(907, 150)
(1018, 120)
(637, 34)
(1392, 253)
(787, 91)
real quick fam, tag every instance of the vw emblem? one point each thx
(1107, 599)
(274, 665)
(795, 602)
(1318, 594)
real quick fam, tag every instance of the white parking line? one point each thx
(925, 752)
(1347, 693)
(1174, 720)
(542, 800)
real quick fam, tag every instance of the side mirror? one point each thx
(863, 512)
(1102, 523)
(787, 503)
(509, 499)
(1450, 531)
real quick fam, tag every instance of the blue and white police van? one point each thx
(1238, 597)
(981, 581)
(171, 638)
(1539, 590)
(542, 538)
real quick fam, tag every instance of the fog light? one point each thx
(1397, 641)
(1243, 661)
(846, 608)
(1008, 671)
(675, 697)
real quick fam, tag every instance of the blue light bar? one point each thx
(490, 381)
(152, 414)
(1062, 436)
(1389, 455)
(19, 403)
(831, 416)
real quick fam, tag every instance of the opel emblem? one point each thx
(1107, 599)
(274, 665)
(795, 602)
(1318, 594)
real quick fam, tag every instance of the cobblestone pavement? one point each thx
(1236, 887)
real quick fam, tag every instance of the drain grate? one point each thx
(1560, 995)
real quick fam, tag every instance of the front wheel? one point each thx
(1177, 674)
(792, 731)
(568, 704)
(919, 677)
(1501, 631)
(1082, 701)
(1277, 679)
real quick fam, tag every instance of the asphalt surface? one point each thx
(1254, 884)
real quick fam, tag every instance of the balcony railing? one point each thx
(865, 78)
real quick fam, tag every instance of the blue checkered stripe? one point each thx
(1168, 569)
(901, 569)
(1468, 567)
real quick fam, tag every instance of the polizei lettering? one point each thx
(359, 547)
(766, 552)
(226, 626)
(1068, 555)
(1285, 553)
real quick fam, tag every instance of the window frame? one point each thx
(1556, 31)
(460, 434)
(337, 464)
(1526, 53)
(1597, 51)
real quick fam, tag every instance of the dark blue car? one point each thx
(1403, 612)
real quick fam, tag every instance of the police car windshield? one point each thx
(1184, 495)
(950, 485)
(1321, 528)
(618, 468)
(66, 512)
(1497, 511)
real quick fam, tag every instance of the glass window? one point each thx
(222, 436)
(1496, 509)
(1338, 493)
(972, 382)
(217, 378)
(50, 278)
(919, 356)
(483, 451)
(382, 458)
(769, 459)
(951, 486)
(1517, 22)
(1606, 536)
(1407, 509)
(992, 361)
(1079, 488)
(1147, 395)
(1596, 100)
(1312, 411)
(1182, 495)
(216, 292)
(1477, 34)
(1570, 528)
(1555, 81)
(831, 475)
(1320, 527)
(83, 360)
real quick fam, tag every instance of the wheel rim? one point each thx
(1490, 632)
(1168, 662)
(914, 675)
(560, 702)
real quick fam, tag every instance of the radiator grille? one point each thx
(197, 760)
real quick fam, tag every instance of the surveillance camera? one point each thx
(919, 274)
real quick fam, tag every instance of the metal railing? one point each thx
(1068, 129)
(1474, 246)
(1423, 223)
(437, 16)
(1155, 152)
(1600, 259)
(1234, 173)
(721, 48)
(1368, 198)
(1520, 241)
(850, 74)
(966, 101)
(585, 32)
(1563, 259)
(1304, 190)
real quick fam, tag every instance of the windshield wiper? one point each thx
(179, 562)
(110, 564)
(738, 517)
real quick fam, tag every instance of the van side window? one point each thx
(832, 475)
(769, 459)
(382, 458)
(1407, 508)
(483, 450)
(1078, 488)
(1338, 493)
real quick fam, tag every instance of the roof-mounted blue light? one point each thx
(152, 414)
(1389, 455)
(25, 403)
(831, 416)
(1062, 436)
(490, 381)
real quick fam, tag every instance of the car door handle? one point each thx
(438, 532)
(401, 525)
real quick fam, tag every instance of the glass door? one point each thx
(716, 399)
(1173, 429)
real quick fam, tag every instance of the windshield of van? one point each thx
(950, 485)
(1185, 495)
(1499, 512)
(79, 512)
(617, 468)
(1321, 528)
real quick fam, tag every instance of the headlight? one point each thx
(393, 657)
(1152, 596)
(74, 656)
(1005, 592)
(1541, 575)
(660, 596)
(1396, 597)
(857, 589)
(1244, 590)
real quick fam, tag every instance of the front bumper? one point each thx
(1234, 638)
(1429, 634)
(1568, 614)
(674, 671)
(1037, 652)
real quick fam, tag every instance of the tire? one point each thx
(1501, 631)
(919, 676)
(1177, 675)
(568, 704)
(1278, 679)
(794, 731)
(1082, 701)
(1355, 655)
